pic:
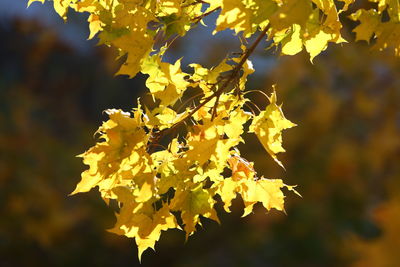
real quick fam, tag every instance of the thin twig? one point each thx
(214, 111)
(187, 101)
(199, 18)
(257, 91)
(254, 105)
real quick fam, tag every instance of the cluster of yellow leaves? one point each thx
(126, 24)
(294, 24)
(381, 24)
(132, 25)
(180, 182)
(164, 184)
(162, 180)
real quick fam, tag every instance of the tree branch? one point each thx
(221, 89)
(197, 19)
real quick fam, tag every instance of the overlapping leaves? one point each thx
(380, 24)
(179, 181)
(133, 26)
(163, 182)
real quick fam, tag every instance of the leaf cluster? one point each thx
(162, 180)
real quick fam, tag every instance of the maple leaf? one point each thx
(166, 81)
(290, 13)
(242, 170)
(291, 41)
(141, 221)
(268, 127)
(297, 23)
(372, 26)
(163, 117)
(120, 157)
(193, 203)
(234, 128)
(369, 22)
(202, 144)
(242, 16)
(251, 189)
(266, 191)
(206, 143)
(388, 35)
(234, 15)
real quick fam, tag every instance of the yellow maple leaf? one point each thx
(202, 143)
(193, 203)
(309, 23)
(292, 42)
(120, 157)
(388, 35)
(242, 16)
(266, 191)
(207, 145)
(291, 12)
(371, 25)
(318, 43)
(251, 189)
(234, 15)
(141, 221)
(228, 188)
(137, 45)
(234, 125)
(166, 81)
(268, 127)
(369, 20)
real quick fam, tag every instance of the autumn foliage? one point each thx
(167, 163)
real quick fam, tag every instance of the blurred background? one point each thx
(344, 155)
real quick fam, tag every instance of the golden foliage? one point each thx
(162, 182)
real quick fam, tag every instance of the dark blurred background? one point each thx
(344, 155)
